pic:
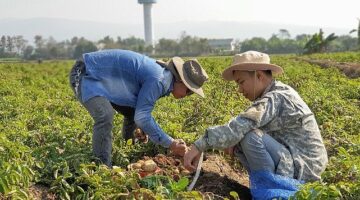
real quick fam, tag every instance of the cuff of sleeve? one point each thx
(166, 141)
(201, 144)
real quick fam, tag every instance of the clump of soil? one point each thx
(41, 192)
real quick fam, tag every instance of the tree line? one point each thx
(185, 45)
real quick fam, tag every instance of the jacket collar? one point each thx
(267, 89)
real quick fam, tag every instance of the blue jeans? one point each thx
(102, 112)
(259, 151)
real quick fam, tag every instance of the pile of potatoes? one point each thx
(160, 164)
(145, 165)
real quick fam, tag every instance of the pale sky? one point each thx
(324, 13)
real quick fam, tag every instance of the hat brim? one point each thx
(178, 63)
(228, 74)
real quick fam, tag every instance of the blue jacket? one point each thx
(129, 79)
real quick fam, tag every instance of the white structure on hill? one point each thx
(222, 44)
(149, 40)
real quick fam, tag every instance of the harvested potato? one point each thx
(185, 172)
(136, 165)
(176, 171)
(149, 166)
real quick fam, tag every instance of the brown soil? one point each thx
(217, 178)
(41, 192)
(220, 178)
(351, 70)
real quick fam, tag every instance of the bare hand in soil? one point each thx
(191, 158)
(229, 151)
(178, 147)
(141, 136)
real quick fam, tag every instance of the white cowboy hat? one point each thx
(250, 61)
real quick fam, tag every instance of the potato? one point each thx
(136, 165)
(149, 166)
(185, 172)
(176, 171)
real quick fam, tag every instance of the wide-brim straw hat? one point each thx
(250, 61)
(189, 72)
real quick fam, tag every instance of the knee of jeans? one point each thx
(252, 138)
(105, 116)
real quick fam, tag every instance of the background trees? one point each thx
(83, 46)
(185, 45)
(358, 34)
(12, 46)
(317, 43)
(255, 43)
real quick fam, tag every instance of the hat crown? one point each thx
(251, 57)
(189, 72)
(195, 73)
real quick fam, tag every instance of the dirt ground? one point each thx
(220, 178)
(351, 70)
(217, 177)
(40, 192)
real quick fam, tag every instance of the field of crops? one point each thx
(45, 135)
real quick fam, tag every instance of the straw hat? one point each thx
(189, 72)
(250, 61)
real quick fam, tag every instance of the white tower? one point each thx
(149, 40)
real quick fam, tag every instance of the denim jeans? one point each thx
(102, 112)
(259, 151)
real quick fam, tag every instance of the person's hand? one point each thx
(141, 136)
(178, 147)
(229, 151)
(191, 158)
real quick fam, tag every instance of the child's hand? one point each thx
(229, 151)
(141, 136)
(178, 147)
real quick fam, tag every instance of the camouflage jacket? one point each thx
(281, 113)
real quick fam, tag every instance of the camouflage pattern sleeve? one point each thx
(221, 137)
(262, 111)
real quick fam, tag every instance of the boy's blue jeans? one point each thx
(259, 151)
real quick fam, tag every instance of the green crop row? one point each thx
(353, 57)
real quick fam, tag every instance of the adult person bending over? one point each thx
(277, 133)
(131, 84)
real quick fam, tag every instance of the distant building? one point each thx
(222, 44)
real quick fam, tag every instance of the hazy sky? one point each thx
(324, 13)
